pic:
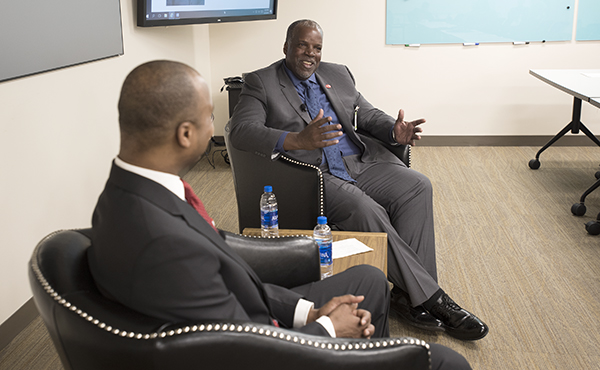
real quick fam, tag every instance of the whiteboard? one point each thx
(588, 20)
(43, 35)
(472, 21)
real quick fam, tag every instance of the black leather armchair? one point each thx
(298, 186)
(92, 332)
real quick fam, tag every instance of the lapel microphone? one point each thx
(303, 108)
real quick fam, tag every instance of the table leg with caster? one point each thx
(593, 227)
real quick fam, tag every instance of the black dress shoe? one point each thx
(458, 322)
(415, 316)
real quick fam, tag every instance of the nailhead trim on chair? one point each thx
(222, 327)
(273, 237)
(321, 212)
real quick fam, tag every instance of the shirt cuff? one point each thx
(393, 136)
(325, 321)
(279, 145)
(303, 307)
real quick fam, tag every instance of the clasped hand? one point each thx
(348, 320)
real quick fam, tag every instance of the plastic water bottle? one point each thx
(269, 219)
(322, 235)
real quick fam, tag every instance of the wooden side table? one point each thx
(377, 257)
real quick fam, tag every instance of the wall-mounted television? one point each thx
(152, 13)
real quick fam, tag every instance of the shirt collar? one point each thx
(295, 80)
(169, 181)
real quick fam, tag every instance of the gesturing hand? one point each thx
(407, 132)
(314, 136)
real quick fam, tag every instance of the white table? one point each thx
(584, 85)
(581, 83)
(592, 227)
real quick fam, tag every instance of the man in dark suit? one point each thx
(310, 110)
(155, 253)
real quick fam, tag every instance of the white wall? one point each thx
(58, 135)
(58, 130)
(483, 90)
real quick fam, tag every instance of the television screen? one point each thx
(176, 12)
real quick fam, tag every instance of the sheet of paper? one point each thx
(591, 74)
(348, 247)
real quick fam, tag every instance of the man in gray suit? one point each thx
(309, 110)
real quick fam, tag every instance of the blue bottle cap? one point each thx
(322, 220)
(268, 189)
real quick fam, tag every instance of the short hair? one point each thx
(291, 31)
(156, 97)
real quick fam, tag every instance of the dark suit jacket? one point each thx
(269, 105)
(154, 253)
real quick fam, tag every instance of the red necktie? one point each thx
(195, 202)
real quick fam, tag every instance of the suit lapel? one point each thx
(343, 116)
(334, 100)
(197, 222)
(289, 92)
(163, 198)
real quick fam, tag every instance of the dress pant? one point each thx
(389, 197)
(370, 282)
(358, 280)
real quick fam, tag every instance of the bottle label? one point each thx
(325, 252)
(269, 219)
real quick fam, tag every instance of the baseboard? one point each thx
(18, 321)
(537, 141)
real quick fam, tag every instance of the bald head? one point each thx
(155, 98)
(299, 24)
(165, 116)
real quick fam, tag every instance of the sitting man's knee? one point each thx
(370, 214)
(369, 271)
(425, 183)
(371, 275)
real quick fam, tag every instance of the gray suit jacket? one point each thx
(269, 105)
(154, 253)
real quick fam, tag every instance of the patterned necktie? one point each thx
(332, 152)
(195, 202)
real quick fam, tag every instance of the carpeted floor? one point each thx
(508, 249)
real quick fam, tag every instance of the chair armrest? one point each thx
(400, 151)
(285, 261)
(298, 187)
(250, 345)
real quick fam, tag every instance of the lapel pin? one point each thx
(328, 86)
